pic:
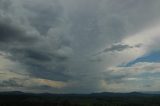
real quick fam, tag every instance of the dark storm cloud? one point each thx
(54, 40)
(11, 34)
(38, 56)
(41, 63)
(28, 43)
(31, 54)
(42, 56)
(49, 72)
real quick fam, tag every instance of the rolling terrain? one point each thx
(95, 99)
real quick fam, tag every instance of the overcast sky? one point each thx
(79, 46)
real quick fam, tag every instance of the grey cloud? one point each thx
(44, 15)
(139, 71)
(13, 34)
(118, 48)
(36, 55)
(148, 85)
(31, 54)
(41, 63)
(49, 72)
(31, 49)
(10, 83)
(5, 4)
(115, 79)
(41, 88)
(53, 39)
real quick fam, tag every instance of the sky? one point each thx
(79, 46)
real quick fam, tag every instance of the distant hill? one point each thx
(152, 92)
(119, 94)
(16, 98)
(92, 94)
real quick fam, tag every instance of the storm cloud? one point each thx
(51, 43)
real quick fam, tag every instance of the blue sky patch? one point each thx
(152, 57)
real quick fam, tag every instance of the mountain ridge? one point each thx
(135, 93)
